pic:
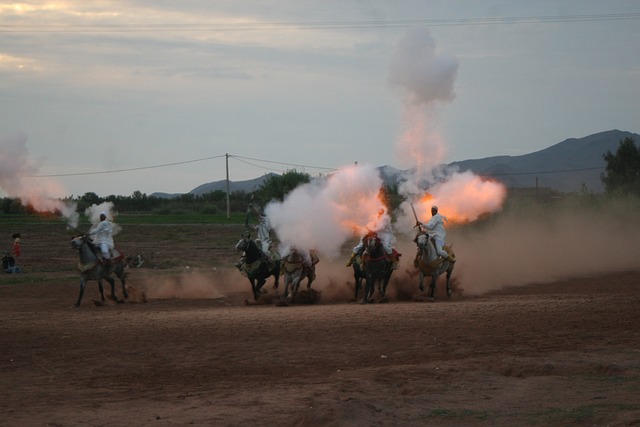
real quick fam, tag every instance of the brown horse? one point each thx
(377, 267)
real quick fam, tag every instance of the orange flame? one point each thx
(463, 198)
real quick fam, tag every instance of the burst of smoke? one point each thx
(325, 213)
(425, 78)
(17, 180)
(424, 74)
(462, 198)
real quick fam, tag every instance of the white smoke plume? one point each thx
(323, 214)
(425, 78)
(17, 171)
(424, 74)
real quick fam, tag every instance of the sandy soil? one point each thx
(561, 353)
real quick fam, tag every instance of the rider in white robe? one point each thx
(102, 236)
(436, 230)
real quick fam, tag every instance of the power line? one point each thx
(127, 170)
(282, 163)
(315, 25)
(241, 158)
(250, 160)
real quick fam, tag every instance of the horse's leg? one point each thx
(253, 288)
(296, 282)
(421, 281)
(310, 277)
(101, 289)
(113, 288)
(449, 291)
(368, 288)
(287, 286)
(432, 287)
(276, 274)
(387, 278)
(83, 284)
(123, 277)
(260, 282)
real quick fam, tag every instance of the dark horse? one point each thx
(91, 268)
(429, 263)
(258, 266)
(377, 267)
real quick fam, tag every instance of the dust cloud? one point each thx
(547, 245)
(192, 284)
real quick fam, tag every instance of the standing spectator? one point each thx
(16, 244)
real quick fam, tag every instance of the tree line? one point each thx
(214, 202)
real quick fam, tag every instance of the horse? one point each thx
(257, 265)
(296, 269)
(429, 263)
(377, 267)
(358, 274)
(91, 268)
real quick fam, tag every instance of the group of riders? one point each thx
(102, 238)
(381, 230)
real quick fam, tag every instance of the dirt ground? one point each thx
(563, 353)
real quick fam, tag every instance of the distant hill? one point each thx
(564, 167)
(246, 186)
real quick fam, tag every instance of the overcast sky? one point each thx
(128, 87)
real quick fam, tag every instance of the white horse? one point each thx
(429, 263)
(296, 269)
(91, 268)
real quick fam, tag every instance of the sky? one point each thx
(113, 97)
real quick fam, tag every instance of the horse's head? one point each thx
(242, 245)
(422, 240)
(371, 241)
(77, 242)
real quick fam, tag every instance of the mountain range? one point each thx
(572, 165)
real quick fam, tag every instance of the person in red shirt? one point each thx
(16, 244)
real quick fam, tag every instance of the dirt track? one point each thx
(566, 353)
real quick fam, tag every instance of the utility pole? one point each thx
(228, 202)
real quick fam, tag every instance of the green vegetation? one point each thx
(623, 169)
(581, 413)
(458, 414)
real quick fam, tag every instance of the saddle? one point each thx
(419, 263)
(116, 256)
